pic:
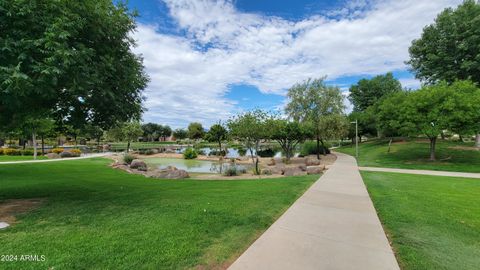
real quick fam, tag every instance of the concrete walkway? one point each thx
(422, 172)
(55, 160)
(332, 226)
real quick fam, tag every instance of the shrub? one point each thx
(27, 152)
(190, 153)
(127, 158)
(11, 152)
(242, 151)
(310, 148)
(76, 152)
(266, 152)
(66, 154)
(57, 150)
(234, 170)
(216, 152)
(1, 151)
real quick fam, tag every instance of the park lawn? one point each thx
(4, 158)
(451, 156)
(433, 221)
(95, 217)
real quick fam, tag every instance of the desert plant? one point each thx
(266, 152)
(234, 170)
(27, 152)
(190, 153)
(310, 148)
(76, 152)
(127, 158)
(57, 150)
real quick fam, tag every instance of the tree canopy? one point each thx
(433, 109)
(217, 133)
(71, 61)
(288, 134)
(195, 131)
(311, 101)
(368, 91)
(448, 49)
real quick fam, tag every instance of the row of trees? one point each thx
(445, 59)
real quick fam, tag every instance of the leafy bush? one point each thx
(266, 152)
(57, 150)
(150, 152)
(127, 158)
(1, 151)
(27, 152)
(190, 153)
(76, 152)
(234, 170)
(310, 148)
(11, 152)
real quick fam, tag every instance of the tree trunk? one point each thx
(318, 147)
(442, 135)
(34, 141)
(43, 146)
(220, 147)
(460, 137)
(128, 146)
(433, 142)
(323, 148)
(477, 140)
(389, 145)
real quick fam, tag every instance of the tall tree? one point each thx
(312, 100)
(250, 129)
(165, 132)
(368, 91)
(130, 131)
(448, 49)
(195, 131)
(217, 133)
(69, 60)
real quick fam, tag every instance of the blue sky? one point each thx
(210, 59)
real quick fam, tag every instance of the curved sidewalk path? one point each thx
(54, 160)
(421, 172)
(332, 226)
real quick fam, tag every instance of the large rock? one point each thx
(52, 155)
(315, 169)
(293, 171)
(138, 164)
(302, 167)
(312, 161)
(271, 162)
(169, 174)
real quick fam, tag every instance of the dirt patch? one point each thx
(11, 208)
(467, 148)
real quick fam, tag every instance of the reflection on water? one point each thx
(190, 165)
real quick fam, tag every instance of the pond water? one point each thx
(189, 165)
(231, 152)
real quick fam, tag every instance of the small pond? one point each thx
(190, 165)
(231, 152)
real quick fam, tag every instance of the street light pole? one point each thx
(356, 137)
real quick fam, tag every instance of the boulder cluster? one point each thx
(138, 166)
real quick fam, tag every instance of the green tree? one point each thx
(250, 129)
(433, 109)
(94, 132)
(71, 61)
(288, 134)
(180, 134)
(195, 131)
(130, 131)
(150, 131)
(217, 133)
(368, 91)
(312, 100)
(165, 132)
(448, 49)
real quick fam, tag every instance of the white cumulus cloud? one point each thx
(190, 73)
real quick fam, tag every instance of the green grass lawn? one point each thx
(18, 158)
(451, 156)
(95, 217)
(434, 221)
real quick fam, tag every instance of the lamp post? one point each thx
(356, 137)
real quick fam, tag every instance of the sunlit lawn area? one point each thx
(94, 217)
(451, 156)
(434, 221)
